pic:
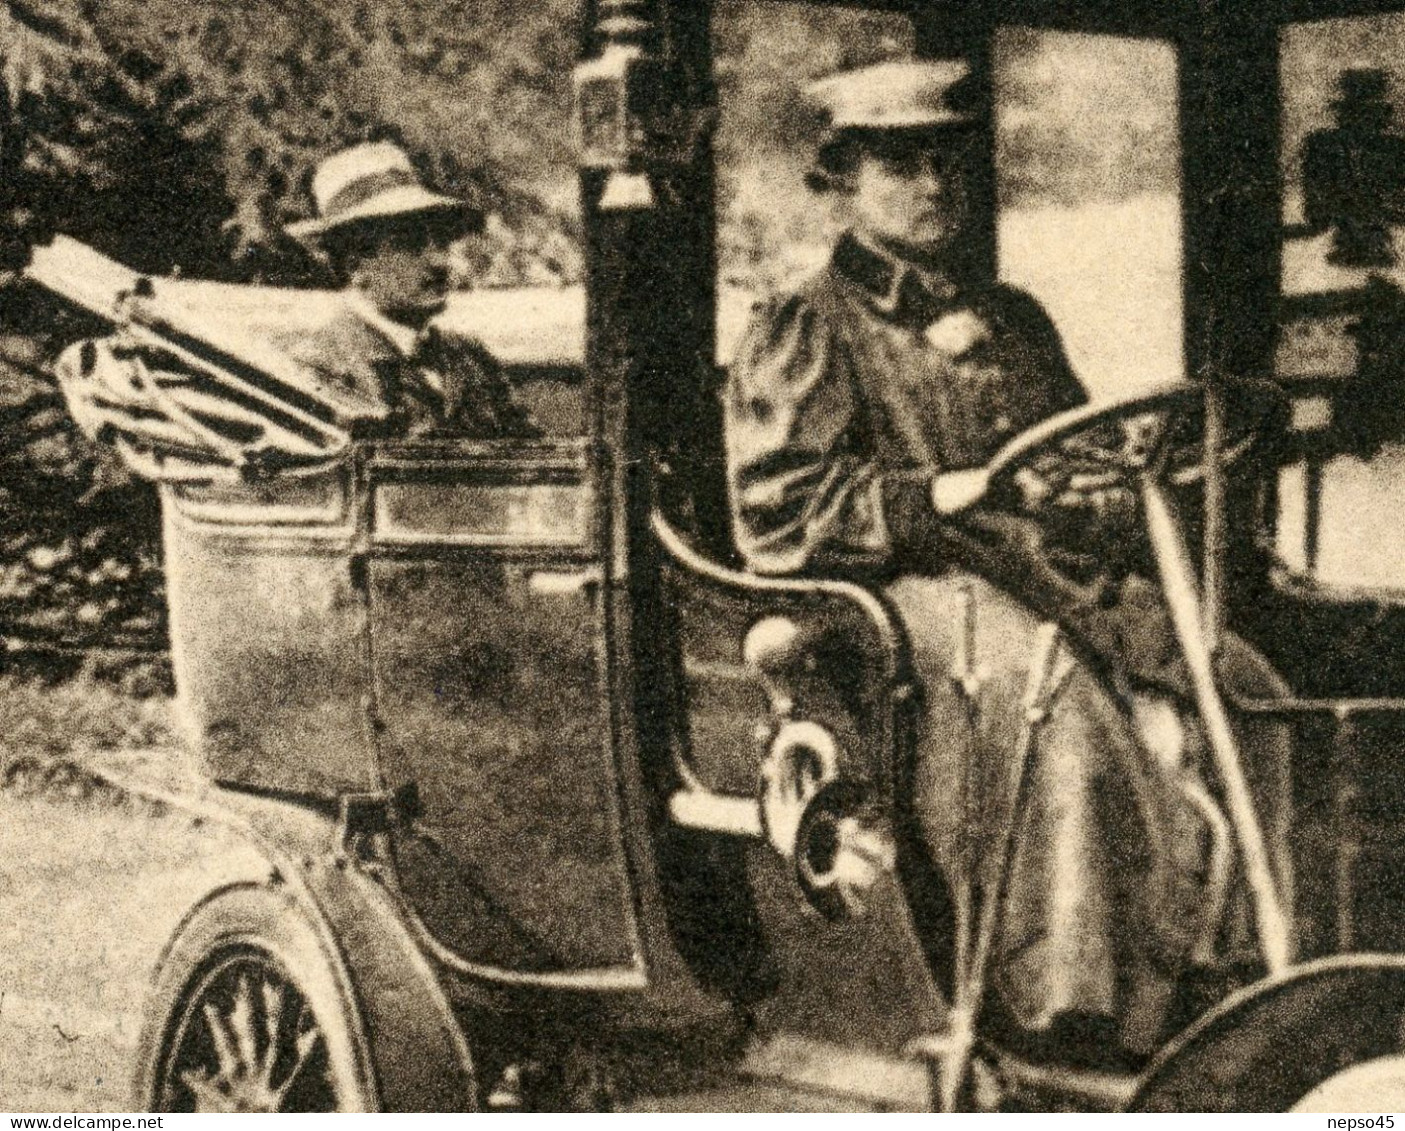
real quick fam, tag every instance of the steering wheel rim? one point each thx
(1173, 402)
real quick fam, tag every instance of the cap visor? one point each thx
(904, 120)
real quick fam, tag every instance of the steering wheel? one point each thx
(1158, 434)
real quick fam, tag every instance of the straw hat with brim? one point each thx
(927, 99)
(371, 182)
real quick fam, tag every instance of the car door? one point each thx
(267, 632)
(488, 662)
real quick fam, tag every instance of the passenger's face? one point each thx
(405, 269)
(911, 192)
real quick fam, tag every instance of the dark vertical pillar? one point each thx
(967, 31)
(1231, 188)
(687, 430)
(1231, 192)
(668, 305)
(649, 356)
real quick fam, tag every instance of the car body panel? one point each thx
(489, 665)
(268, 633)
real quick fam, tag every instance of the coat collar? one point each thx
(895, 288)
(403, 339)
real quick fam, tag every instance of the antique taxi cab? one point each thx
(562, 809)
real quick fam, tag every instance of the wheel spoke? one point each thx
(1099, 454)
(273, 1029)
(307, 1042)
(224, 1044)
(241, 1020)
(247, 1040)
(209, 1096)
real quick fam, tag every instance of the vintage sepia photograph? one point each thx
(702, 556)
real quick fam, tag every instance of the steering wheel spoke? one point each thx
(1122, 445)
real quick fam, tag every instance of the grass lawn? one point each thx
(93, 882)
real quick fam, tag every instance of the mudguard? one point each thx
(408, 1038)
(1269, 1046)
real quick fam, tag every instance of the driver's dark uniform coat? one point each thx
(844, 399)
(848, 394)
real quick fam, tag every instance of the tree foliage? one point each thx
(180, 134)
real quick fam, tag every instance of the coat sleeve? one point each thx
(340, 355)
(804, 491)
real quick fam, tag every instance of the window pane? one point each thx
(1314, 59)
(1326, 500)
(1088, 167)
(466, 511)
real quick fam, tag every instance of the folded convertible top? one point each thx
(202, 379)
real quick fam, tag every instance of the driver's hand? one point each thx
(1036, 491)
(1080, 506)
(955, 491)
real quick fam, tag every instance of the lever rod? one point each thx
(1183, 600)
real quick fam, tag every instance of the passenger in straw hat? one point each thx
(859, 411)
(388, 238)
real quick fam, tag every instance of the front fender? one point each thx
(1267, 1047)
(408, 1036)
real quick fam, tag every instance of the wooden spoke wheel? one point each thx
(247, 1016)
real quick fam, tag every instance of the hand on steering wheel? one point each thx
(1082, 470)
(955, 491)
(1095, 501)
(1090, 456)
(1081, 474)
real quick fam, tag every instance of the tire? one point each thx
(1322, 1033)
(249, 1012)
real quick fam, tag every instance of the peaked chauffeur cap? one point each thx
(371, 181)
(912, 94)
(902, 94)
